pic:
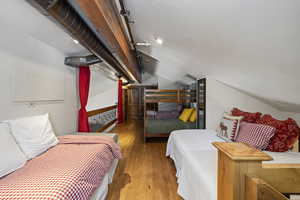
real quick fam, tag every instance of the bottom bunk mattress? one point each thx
(195, 159)
(73, 169)
(167, 125)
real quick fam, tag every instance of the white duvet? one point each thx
(195, 160)
(196, 163)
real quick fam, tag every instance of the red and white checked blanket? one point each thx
(72, 169)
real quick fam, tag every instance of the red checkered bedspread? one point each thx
(72, 169)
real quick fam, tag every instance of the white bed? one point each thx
(196, 162)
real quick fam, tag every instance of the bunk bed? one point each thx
(158, 127)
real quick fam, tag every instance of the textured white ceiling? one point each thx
(21, 17)
(250, 45)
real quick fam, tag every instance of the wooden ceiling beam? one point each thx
(103, 16)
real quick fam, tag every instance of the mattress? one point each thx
(66, 171)
(167, 125)
(195, 160)
(283, 158)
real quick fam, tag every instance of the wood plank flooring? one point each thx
(144, 173)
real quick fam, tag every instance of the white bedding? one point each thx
(196, 163)
(195, 160)
(284, 158)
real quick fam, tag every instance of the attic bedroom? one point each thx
(150, 100)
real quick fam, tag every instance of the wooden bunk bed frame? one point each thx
(243, 176)
(152, 97)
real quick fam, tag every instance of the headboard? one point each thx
(296, 147)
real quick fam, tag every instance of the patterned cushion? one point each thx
(247, 116)
(255, 135)
(228, 127)
(287, 132)
(236, 127)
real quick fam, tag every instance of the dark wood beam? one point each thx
(103, 16)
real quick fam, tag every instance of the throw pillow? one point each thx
(255, 135)
(193, 116)
(287, 132)
(228, 127)
(34, 134)
(185, 115)
(247, 116)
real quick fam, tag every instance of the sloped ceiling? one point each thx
(253, 46)
(20, 16)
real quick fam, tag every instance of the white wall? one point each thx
(103, 91)
(15, 50)
(295, 116)
(166, 84)
(222, 98)
(163, 83)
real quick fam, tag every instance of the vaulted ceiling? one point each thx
(31, 23)
(253, 46)
(21, 17)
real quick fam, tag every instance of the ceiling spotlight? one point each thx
(159, 41)
(143, 44)
(75, 41)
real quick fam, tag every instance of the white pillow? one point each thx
(33, 134)
(229, 127)
(12, 158)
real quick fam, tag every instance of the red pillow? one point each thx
(287, 132)
(247, 116)
(255, 135)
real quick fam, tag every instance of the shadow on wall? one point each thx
(279, 105)
(148, 63)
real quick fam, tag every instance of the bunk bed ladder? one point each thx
(201, 103)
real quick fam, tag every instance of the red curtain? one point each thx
(84, 86)
(120, 102)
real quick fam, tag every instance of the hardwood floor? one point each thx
(144, 173)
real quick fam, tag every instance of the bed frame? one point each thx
(243, 176)
(152, 97)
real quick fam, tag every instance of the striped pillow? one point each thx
(255, 135)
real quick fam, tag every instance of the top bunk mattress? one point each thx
(66, 171)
